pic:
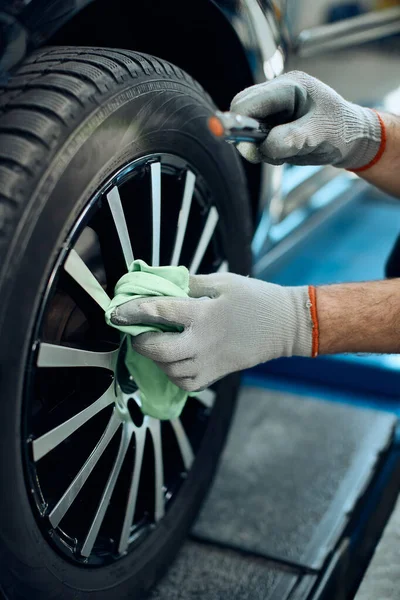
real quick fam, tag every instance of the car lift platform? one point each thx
(303, 487)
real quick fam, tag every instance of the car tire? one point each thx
(75, 124)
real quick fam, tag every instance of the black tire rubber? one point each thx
(64, 128)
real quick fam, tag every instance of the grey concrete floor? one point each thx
(382, 581)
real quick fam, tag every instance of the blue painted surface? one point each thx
(352, 246)
(370, 374)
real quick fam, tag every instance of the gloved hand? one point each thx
(230, 323)
(312, 124)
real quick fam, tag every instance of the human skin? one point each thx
(365, 317)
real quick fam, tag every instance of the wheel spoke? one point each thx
(96, 252)
(156, 211)
(155, 430)
(205, 238)
(114, 202)
(78, 270)
(183, 217)
(47, 442)
(223, 267)
(110, 485)
(140, 438)
(52, 355)
(77, 484)
(183, 443)
(206, 397)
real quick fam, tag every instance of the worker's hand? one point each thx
(230, 323)
(311, 124)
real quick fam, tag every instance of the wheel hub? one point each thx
(126, 389)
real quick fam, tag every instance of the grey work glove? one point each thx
(311, 124)
(230, 323)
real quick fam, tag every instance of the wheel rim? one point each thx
(100, 473)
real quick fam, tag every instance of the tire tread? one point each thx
(46, 95)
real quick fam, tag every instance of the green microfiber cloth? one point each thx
(160, 397)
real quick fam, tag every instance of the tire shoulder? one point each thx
(53, 89)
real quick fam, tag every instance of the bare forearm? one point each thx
(385, 174)
(359, 317)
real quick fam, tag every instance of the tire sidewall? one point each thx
(105, 142)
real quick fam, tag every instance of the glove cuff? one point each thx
(303, 301)
(365, 136)
(381, 148)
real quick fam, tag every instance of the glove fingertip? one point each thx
(250, 152)
(238, 98)
(128, 313)
(276, 148)
(116, 318)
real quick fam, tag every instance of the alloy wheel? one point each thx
(101, 474)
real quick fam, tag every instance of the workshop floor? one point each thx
(291, 477)
(382, 581)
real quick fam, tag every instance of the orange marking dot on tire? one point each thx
(215, 126)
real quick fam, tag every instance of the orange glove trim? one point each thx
(381, 150)
(312, 293)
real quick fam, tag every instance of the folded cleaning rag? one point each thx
(160, 397)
